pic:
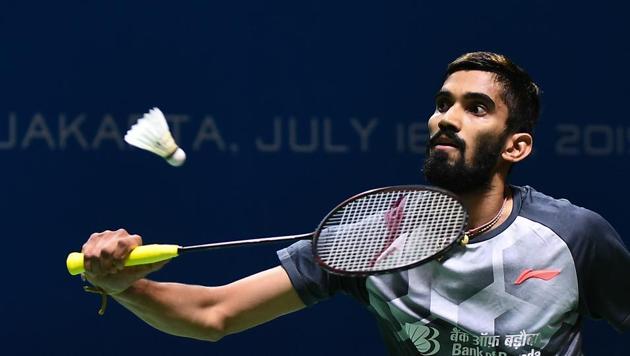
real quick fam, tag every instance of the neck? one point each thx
(484, 205)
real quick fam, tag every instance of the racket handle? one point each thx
(140, 255)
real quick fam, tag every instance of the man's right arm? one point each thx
(206, 313)
(209, 313)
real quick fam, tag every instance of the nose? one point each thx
(450, 120)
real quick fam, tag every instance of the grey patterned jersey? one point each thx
(519, 289)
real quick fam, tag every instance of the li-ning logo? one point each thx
(544, 274)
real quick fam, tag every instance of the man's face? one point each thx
(467, 132)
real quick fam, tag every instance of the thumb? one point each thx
(143, 270)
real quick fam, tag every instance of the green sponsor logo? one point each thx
(424, 338)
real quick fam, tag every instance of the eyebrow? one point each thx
(469, 96)
(443, 94)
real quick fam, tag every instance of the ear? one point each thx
(517, 147)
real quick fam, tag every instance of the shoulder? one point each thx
(598, 253)
(566, 219)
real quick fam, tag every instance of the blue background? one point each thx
(242, 66)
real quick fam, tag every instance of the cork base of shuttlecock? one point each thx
(177, 158)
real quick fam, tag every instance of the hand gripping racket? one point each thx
(378, 231)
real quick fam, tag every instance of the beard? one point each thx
(460, 177)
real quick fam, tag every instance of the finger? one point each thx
(106, 261)
(136, 240)
(91, 263)
(124, 246)
(98, 252)
(87, 251)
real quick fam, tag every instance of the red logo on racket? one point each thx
(393, 220)
(544, 274)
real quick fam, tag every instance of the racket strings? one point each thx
(390, 229)
(352, 242)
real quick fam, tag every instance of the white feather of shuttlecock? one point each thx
(151, 133)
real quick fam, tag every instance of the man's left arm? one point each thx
(605, 274)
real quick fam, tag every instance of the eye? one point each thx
(478, 109)
(442, 105)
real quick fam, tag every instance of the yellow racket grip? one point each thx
(140, 255)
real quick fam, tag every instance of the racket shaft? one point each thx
(239, 243)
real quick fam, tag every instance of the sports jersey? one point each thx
(519, 289)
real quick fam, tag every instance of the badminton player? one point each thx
(534, 268)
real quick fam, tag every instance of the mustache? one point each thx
(450, 135)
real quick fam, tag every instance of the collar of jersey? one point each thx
(517, 199)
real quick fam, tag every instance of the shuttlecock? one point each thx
(151, 133)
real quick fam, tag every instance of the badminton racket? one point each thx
(378, 231)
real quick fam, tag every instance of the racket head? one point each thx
(389, 229)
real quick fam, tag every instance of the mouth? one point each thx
(444, 143)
